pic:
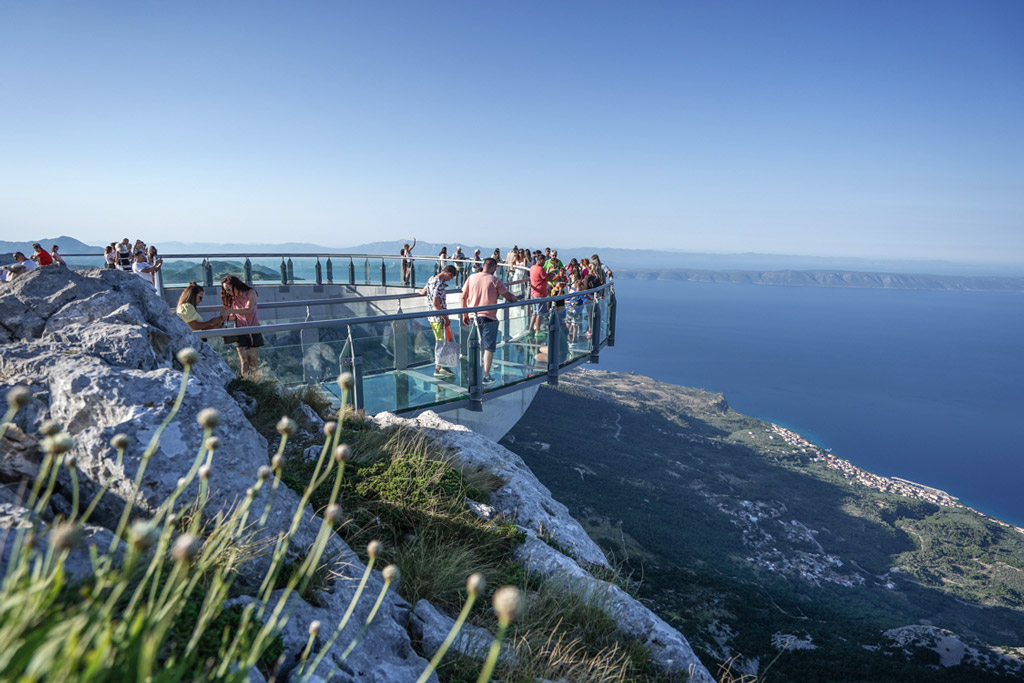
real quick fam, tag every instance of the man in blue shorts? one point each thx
(483, 289)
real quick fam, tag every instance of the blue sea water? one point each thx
(916, 384)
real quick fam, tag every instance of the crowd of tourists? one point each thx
(547, 276)
(135, 258)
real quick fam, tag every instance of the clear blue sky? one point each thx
(826, 128)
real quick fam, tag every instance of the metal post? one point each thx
(351, 272)
(476, 375)
(291, 271)
(611, 318)
(383, 274)
(248, 271)
(319, 272)
(208, 272)
(366, 269)
(412, 273)
(595, 334)
(353, 364)
(553, 360)
(330, 271)
(284, 272)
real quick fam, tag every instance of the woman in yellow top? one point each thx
(189, 300)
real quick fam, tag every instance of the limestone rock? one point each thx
(522, 496)
(431, 627)
(669, 648)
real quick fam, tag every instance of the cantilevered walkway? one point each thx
(323, 314)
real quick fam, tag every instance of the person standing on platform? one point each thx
(483, 289)
(539, 290)
(436, 293)
(144, 270)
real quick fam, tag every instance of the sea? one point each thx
(923, 385)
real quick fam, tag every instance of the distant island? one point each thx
(829, 278)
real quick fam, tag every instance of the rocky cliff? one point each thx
(97, 351)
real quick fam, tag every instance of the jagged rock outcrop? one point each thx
(531, 505)
(522, 496)
(97, 350)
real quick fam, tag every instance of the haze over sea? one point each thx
(922, 385)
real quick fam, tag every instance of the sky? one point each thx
(859, 129)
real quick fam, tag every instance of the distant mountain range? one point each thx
(653, 264)
(831, 278)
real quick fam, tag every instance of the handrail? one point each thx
(283, 254)
(341, 299)
(339, 322)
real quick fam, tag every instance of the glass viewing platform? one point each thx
(324, 314)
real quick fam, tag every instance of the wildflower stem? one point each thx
(492, 655)
(456, 627)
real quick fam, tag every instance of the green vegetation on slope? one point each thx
(739, 536)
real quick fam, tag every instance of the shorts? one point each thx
(488, 333)
(249, 341)
(438, 328)
(541, 308)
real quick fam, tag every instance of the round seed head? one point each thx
(208, 418)
(391, 573)
(143, 534)
(250, 492)
(120, 441)
(342, 453)
(263, 473)
(374, 548)
(286, 426)
(205, 472)
(61, 443)
(277, 462)
(49, 428)
(185, 548)
(71, 461)
(330, 428)
(334, 514)
(476, 584)
(18, 397)
(182, 482)
(508, 602)
(213, 443)
(188, 356)
(65, 536)
(314, 628)
(345, 380)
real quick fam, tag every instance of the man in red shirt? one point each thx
(42, 257)
(538, 290)
(482, 289)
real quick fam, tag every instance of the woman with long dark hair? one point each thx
(188, 302)
(239, 300)
(407, 263)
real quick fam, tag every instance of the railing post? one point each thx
(366, 269)
(284, 272)
(354, 365)
(318, 269)
(248, 271)
(506, 325)
(476, 375)
(611, 318)
(330, 271)
(208, 272)
(312, 366)
(412, 274)
(595, 334)
(351, 271)
(553, 360)
(383, 274)
(291, 271)
(400, 331)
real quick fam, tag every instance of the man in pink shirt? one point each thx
(482, 289)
